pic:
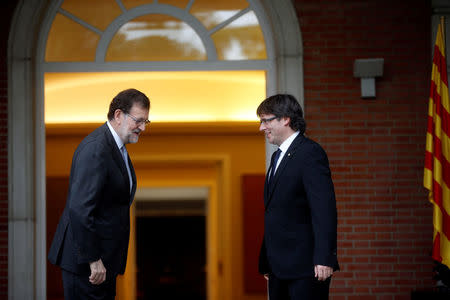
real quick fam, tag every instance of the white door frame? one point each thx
(26, 132)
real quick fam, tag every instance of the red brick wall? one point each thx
(375, 147)
(6, 12)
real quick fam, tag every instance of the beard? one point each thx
(133, 137)
(129, 136)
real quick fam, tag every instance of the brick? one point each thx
(383, 159)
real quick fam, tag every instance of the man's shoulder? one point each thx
(306, 141)
(96, 139)
(98, 135)
(309, 146)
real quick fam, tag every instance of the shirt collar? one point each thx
(287, 143)
(115, 135)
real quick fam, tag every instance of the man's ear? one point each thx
(117, 113)
(286, 121)
(117, 119)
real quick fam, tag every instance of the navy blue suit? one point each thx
(96, 220)
(300, 220)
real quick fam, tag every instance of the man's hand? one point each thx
(98, 272)
(322, 272)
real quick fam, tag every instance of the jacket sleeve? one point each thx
(316, 176)
(87, 182)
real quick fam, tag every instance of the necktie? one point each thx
(124, 152)
(275, 158)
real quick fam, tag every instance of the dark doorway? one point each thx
(171, 257)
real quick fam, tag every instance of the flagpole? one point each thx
(443, 31)
(443, 37)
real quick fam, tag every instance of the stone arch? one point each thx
(26, 132)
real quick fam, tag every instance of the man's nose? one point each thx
(262, 127)
(142, 126)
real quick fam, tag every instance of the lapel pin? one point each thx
(289, 154)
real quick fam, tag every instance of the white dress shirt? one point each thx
(284, 146)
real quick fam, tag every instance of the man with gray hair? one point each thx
(91, 241)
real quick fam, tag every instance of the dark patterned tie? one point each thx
(275, 158)
(124, 152)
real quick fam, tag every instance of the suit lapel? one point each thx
(117, 156)
(279, 172)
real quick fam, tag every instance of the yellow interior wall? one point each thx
(187, 154)
(194, 96)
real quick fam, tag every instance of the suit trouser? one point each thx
(308, 288)
(78, 287)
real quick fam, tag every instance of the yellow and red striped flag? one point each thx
(437, 156)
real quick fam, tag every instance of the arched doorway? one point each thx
(27, 232)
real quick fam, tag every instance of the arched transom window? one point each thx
(197, 60)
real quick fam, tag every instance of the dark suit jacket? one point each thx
(96, 219)
(300, 220)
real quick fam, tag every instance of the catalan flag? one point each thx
(437, 156)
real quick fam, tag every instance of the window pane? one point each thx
(175, 96)
(129, 4)
(156, 38)
(241, 39)
(212, 13)
(178, 3)
(98, 13)
(69, 41)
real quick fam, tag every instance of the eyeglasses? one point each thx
(138, 122)
(266, 121)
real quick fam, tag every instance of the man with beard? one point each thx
(91, 241)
